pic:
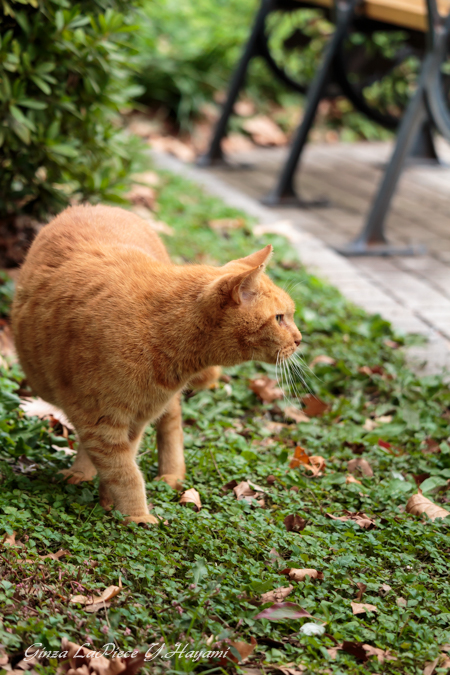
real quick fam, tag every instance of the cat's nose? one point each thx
(298, 339)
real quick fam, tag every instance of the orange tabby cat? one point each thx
(109, 330)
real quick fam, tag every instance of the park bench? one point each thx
(425, 27)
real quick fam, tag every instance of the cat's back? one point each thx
(82, 229)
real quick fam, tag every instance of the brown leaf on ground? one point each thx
(142, 195)
(431, 446)
(381, 654)
(430, 666)
(352, 479)
(369, 424)
(10, 540)
(243, 649)
(191, 496)
(83, 661)
(371, 370)
(37, 407)
(148, 178)
(314, 406)
(293, 413)
(7, 348)
(384, 590)
(401, 602)
(226, 224)
(266, 388)
(362, 607)
(314, 463)
(235, 143)
(244, 108)
(418, 504)
(361, 590)
(106, 594)
(323, 358)
(356, 649)
(291, 669)
(264, 131)
(156, 225)
(277, 595)
(295, 523)
(174, 147)
(360, 466)
(332, 651)
(52, 556)
(361, 518)
(301, 574)
(245, 491)
(300, 458)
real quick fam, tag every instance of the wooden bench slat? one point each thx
(403, 13)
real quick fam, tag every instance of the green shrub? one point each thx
(64, 73)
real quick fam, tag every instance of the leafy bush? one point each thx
(64, 73)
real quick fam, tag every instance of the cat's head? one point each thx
(255, 318)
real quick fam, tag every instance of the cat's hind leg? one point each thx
(121, 482)
(82, 469)
(169, 439)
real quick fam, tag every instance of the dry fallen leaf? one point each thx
(323, 358)
(430, 666)
(360, 518)
(277, 595)
(264, 131)
(360, 466)
(295, 523)
(226, 224)
(244, 108)
(191, 496)
(381, 654)
(332, 651)
(293, 413)
(52, 556)
(418, 504)
(431, 446)
(384, 589)
(280, 611)
(301, 574)
(106, 594)
(243, 649)
(174, 147)
(401, 602)
(235, 143)
(80, 661)
(37, 407)
(352, 479)
(147, 177)
(314, 463)
(361, 590)
(10, 539)
(356, 649)
(142, 195)
(314, 406)
(266, 388)
(290, 669)
(369, 424)
(156, 225)
(371, 370)
(7, 348)
(362, 607)
(245, 491)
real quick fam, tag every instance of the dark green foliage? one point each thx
(199, 574)
(64, 74)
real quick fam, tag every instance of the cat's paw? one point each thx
(175, 482)
(146, 518)
(75, 477)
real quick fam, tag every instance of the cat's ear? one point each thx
(261, 257)
(243, 287)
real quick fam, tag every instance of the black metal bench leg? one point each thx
(424, 150)
(284, 192)
(214, 155)
(372, 240)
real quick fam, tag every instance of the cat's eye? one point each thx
(279, 317)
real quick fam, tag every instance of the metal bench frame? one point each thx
(426, 108)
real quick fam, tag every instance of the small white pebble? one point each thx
(312, 629)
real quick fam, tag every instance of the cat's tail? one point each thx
(205, 379)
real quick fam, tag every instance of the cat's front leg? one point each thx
(169, 439)
(121, 482)
(82, 469)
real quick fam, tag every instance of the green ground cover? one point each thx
(202, 574)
